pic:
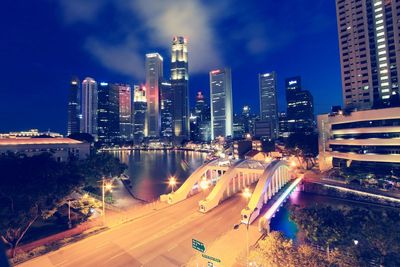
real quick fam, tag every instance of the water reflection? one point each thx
(149, 170)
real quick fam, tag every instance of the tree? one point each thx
(31, 187)
(273, 250)
(277, 251)
(97, 166)
(370, 235)
(303, 146)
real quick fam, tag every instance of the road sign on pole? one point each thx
(197, 245)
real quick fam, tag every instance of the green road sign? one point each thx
(197, 245)
(210, 258)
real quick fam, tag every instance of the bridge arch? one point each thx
(242, 174)
(274, 177)
(212, 170)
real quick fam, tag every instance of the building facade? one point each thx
(74, 107)
(180, 87)
(221, 103)
(62, 149)
(268, 102)
(368, 139)
(139, 113)
(300, 107)
(125, 112)
(89, 106)
(108, 113)
(154, 76)
(369, 43)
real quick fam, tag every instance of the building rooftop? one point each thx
(38, 141)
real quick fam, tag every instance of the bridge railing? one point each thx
(275, 176)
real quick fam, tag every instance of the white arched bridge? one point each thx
(227, 177)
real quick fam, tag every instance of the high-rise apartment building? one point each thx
(180, 87)
(369, 42)
(125, 112)
(221, 103)
(108, 113)
(74, 107)
(300, 107)
(89, 106)
(268, 102)
(166, 110)
(154, 76)
(139, 113)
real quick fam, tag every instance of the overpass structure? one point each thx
(232, 176)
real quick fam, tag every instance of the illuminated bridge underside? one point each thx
(241, 174)
(273, 178)
(211, 170)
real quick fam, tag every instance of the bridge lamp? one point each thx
(204, 184)
(247, 193)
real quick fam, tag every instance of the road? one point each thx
(160, 239)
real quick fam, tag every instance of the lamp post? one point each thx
(105, 186)
(247, 195)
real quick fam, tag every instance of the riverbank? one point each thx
(342, 192)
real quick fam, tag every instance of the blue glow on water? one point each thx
(281, 222)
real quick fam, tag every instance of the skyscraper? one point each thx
(73, 107)
(180, 87)
(221, 103)
(268, 102)
(89, 106)
(108, 113)
(369, 45)
(154, 76)
(125, 112)
(203, 116)
(300, 107)
(139, 113)
(166, 110)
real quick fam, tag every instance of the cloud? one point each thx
(216, 30)
(122, 58)
(167, 18)
(80, 10)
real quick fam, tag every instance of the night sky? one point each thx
(45, 42)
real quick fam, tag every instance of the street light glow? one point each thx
(247, 193)
(204, 184)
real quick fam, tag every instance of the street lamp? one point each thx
(355, 242)
(106, 186)
(236, 226)
(172, 182)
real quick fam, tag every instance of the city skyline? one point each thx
(54, 86)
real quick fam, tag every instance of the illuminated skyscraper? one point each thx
(154, 76)
(179, 83)
(89, 106)
(221, 103)
(300, 107)
(125, 112)
(108, 113)
(269, 103)
(166, 109)
(139, 113)
(73, 107)
(369, 42)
